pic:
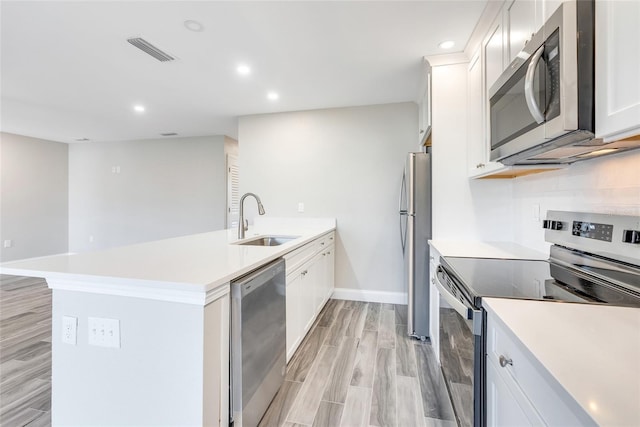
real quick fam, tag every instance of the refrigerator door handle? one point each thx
(403, 187)
(403, 212)
(403, 232)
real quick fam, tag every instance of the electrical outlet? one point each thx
(536, 212)
(104, 332)
(8, 243)
(69, 329)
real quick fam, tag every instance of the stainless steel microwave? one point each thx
(541, 109)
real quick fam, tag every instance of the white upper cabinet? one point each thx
(548, 6)
(477, 137)
(493, 52)
(520, 24)
(511, 28)
(424, 106)
(617, 69)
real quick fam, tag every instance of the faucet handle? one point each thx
(246, 224)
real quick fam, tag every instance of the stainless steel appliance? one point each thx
(415, 231)
(257, 342)
(542, 107)
(595, 259)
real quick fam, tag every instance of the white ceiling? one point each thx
(68, 72)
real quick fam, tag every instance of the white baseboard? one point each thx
(370, 296)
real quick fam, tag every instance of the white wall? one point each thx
(463, 209)
(607, 185)
(344, 163)
(165, 188)
(33, 197)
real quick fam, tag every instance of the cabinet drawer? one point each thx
(326, 240)
(296, 258)
(548, 397)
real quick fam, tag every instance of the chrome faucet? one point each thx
(242, 225)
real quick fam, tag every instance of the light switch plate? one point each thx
(300, 207)
(104, 332)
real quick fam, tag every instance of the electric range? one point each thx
(594, 259)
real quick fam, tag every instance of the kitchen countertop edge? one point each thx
(481, 249)
(241, 259)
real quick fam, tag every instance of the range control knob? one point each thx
(552, 225)
(631, 236)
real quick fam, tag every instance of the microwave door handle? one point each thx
(534, 108)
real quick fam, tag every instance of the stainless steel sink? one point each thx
(268, 241)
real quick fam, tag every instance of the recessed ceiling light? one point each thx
(192, 25)
(273, 96)
(448, 44)
(138, 108)
(243, 70)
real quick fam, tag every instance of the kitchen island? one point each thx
(168, 360)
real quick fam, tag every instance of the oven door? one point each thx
(462, 351)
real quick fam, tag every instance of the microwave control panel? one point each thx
(592, 230)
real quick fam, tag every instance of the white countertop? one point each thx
(591, 350)
(182, 269)
(475, 249)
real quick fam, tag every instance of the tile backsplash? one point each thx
(607, 185)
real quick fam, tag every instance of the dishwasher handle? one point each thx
(257, 278)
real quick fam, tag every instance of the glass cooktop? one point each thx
(530, 279)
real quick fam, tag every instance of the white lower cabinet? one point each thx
(293, 312)
(520, 391)
(434, 302)
(329, 271)
(505, 401)
(310, 283)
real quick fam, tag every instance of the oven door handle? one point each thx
(455, 303)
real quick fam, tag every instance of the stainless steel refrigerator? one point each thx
(415, 231)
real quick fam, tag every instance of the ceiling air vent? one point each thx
(168, 134)
(150, 49)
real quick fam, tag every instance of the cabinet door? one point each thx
(617, 69)
(434, 303)
(520, 22)
(330, 271)
(317, 271)
(308, 297)
(493, 53)
(477, 149)
(424, 106)
(293, 312)
(549, 7)
(502, 406)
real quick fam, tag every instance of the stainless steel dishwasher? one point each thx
(258, 342)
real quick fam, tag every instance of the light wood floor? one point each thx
(25, 352)
(357, 367)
